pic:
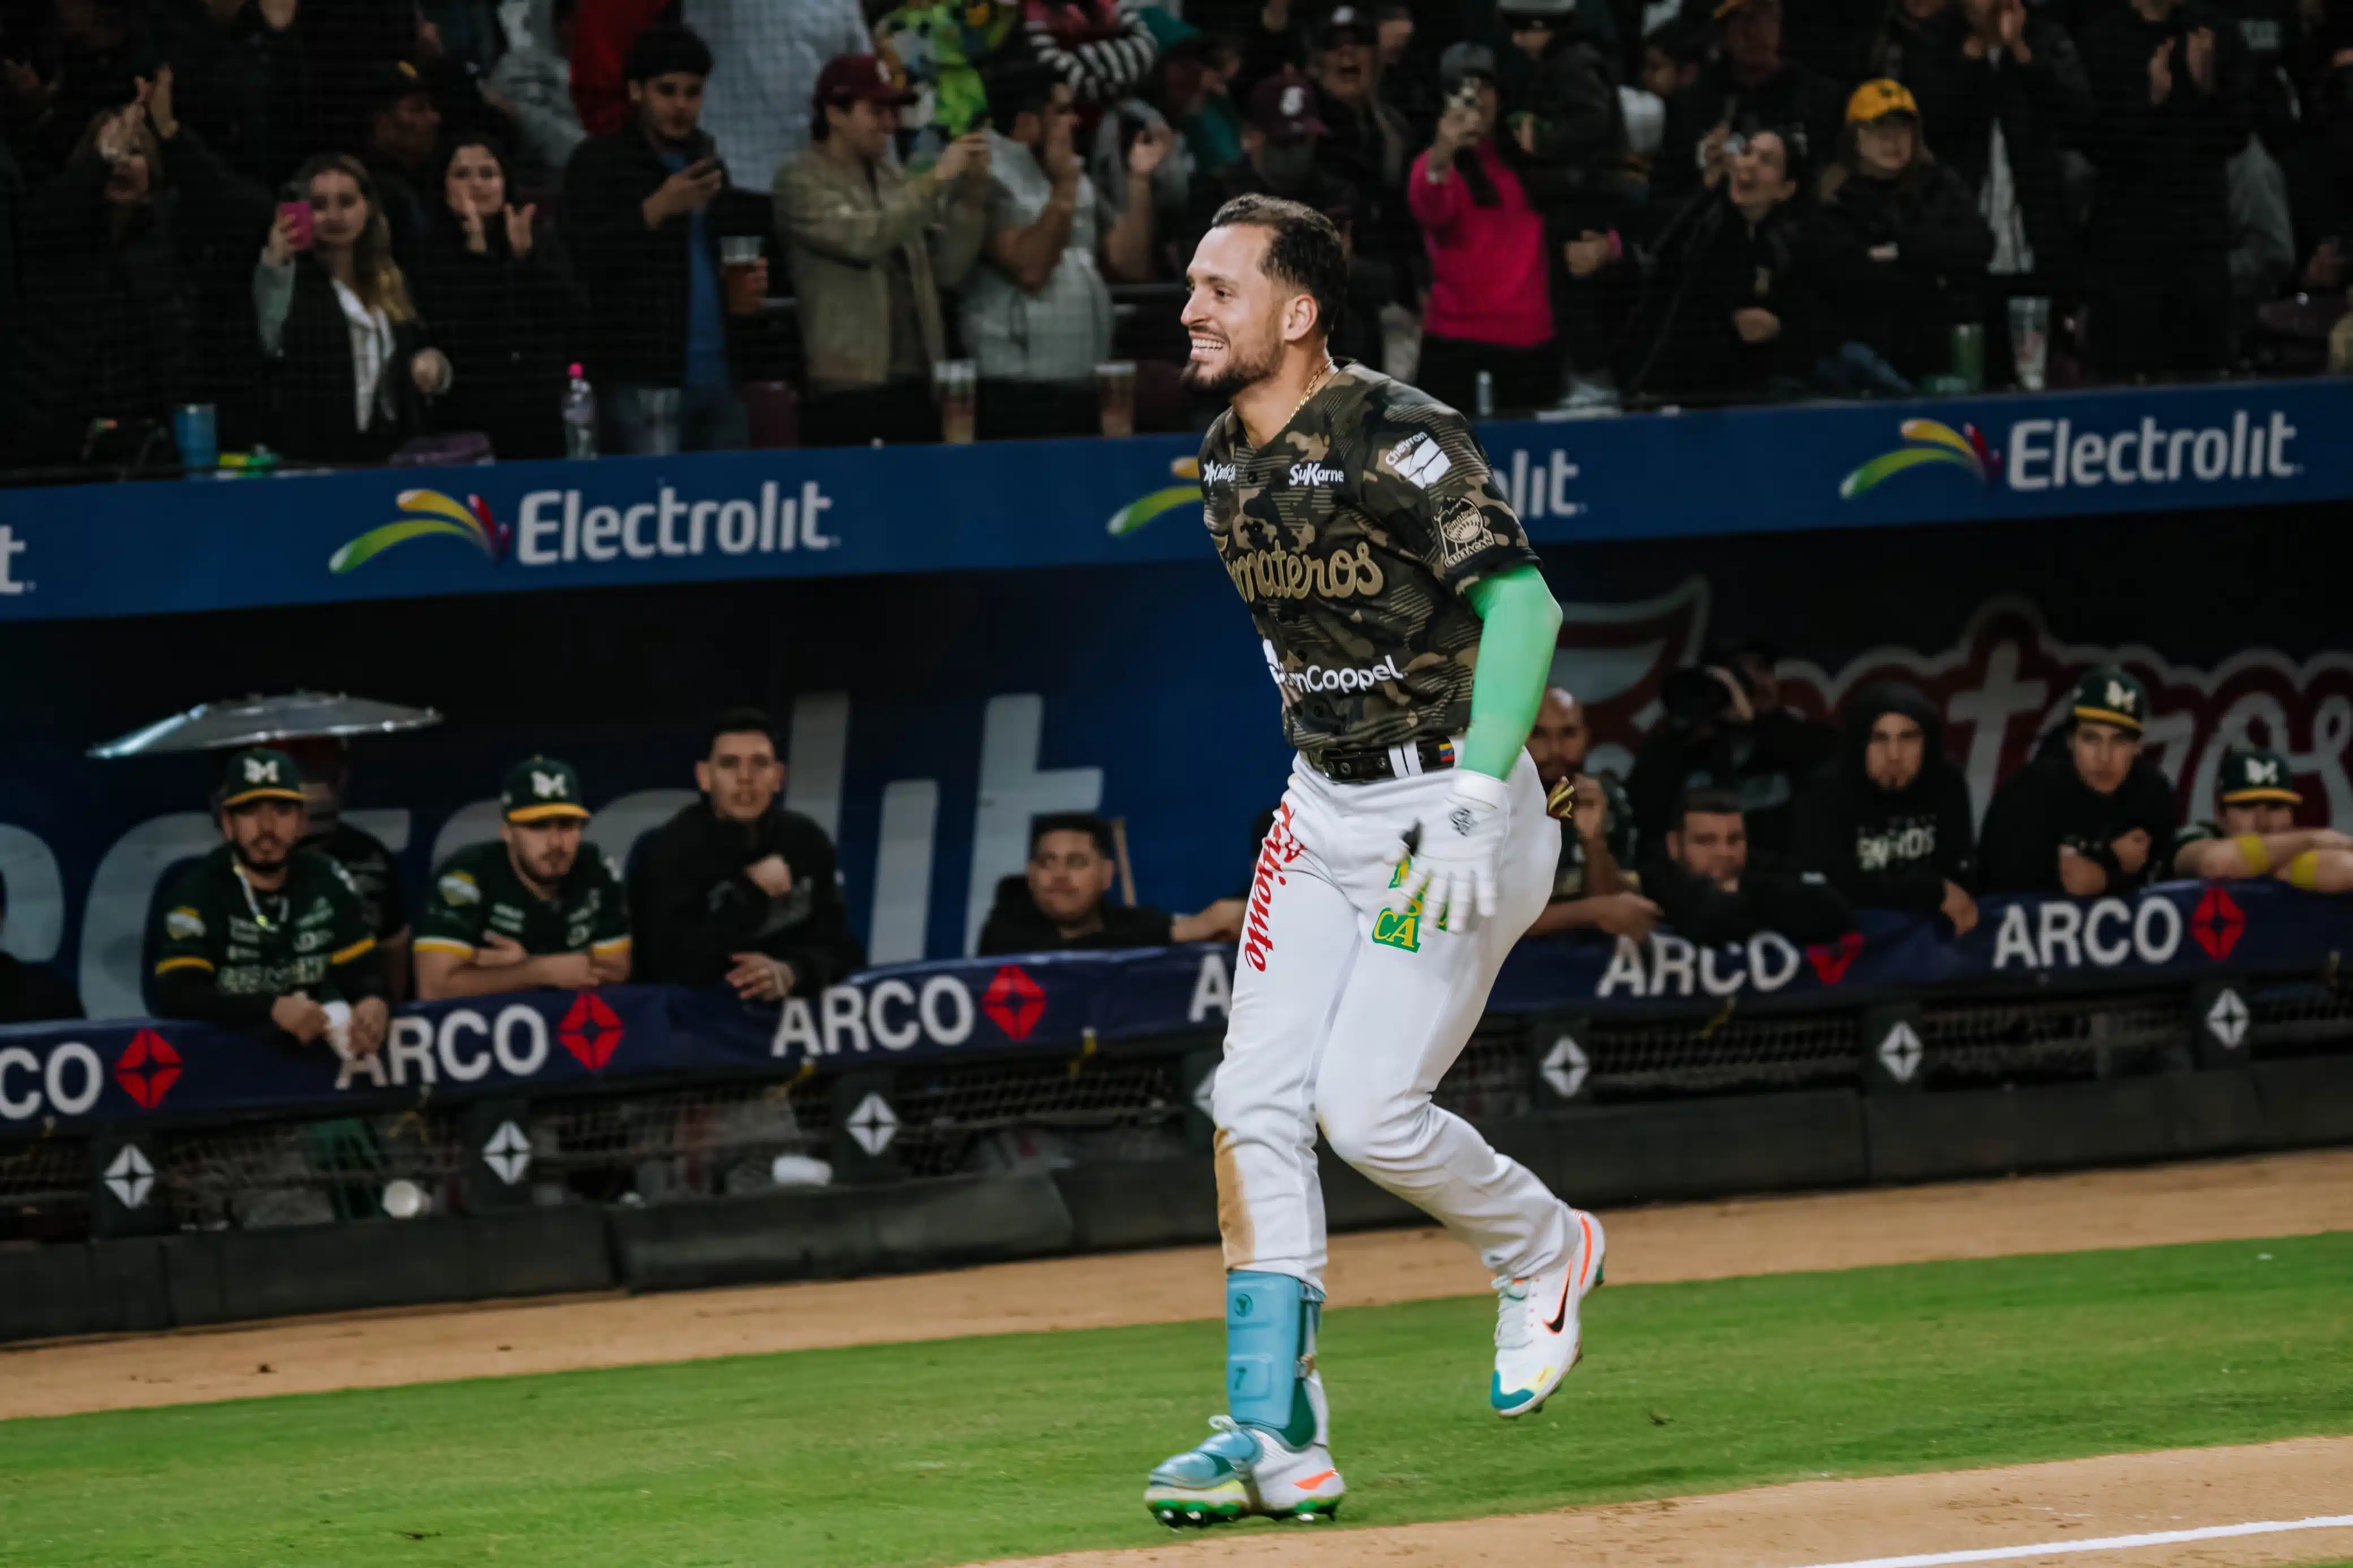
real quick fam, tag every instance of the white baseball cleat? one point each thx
(1536, 1334)
(1242, 1470)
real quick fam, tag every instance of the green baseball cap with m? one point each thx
(259, 773)
(2251, 776)
(2106, 695)
(541, 788)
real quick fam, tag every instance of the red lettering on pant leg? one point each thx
(1280, 849)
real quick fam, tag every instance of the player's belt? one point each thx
(1371, 764)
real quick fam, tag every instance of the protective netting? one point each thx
(1967, 1043)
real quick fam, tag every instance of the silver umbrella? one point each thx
(253, 721)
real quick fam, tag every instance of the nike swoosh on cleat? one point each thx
(1315, 1480)
(1568, 1280)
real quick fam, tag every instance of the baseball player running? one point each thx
(1406, 626)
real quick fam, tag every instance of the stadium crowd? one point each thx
(355, 231)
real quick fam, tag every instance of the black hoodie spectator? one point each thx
(2046, 805)
(1889, 848)
(693, 908)
(2035, 94)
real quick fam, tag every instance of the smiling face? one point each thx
(1345, 68)
(339, 210)
(1234, 312)
(475, 182)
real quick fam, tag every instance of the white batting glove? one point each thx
(1452, 871)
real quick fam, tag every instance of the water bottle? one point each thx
(580, 416)
(1485, 395)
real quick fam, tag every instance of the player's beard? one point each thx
(1242, 372)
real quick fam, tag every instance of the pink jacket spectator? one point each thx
(1488, 281)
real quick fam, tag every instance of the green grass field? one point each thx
(953, 1450)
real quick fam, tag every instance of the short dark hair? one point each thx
(1017, 86)
(1302, 249)
(1708, 800)
(664, 49)
(1682, 40)
(1085, 822)
(742, 721)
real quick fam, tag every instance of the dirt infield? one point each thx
(1848, 1522)
(2221, 1200)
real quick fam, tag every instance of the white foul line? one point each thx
(2106, 1543)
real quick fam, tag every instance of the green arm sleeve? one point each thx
(1515, 649)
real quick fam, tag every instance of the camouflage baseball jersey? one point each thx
(1352, 536)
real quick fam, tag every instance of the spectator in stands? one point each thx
(262, 932)
(1907, 29)
(240, 74)
(403, 129)
(768, 57)
(1039, 311)
(1724, 728)
(871, 247)
(2089, 814)
(1902, 250)
(2255, 833)
(367, 864)
(603, 34)
(1367, 143)
(1060, 903)
(110, 250)
(1888, 822)
(1281, 142)
(71, 61)
(2005, 91)
(1749, 86)
(2168, 79)
(1719, 305)
(1191, 93)
(1566, 122)
(644, 210)
(1711, 893)
(532, 84)
(1490, 285)
(2263, 236)
(1101, 48)
(1594, 887)
(1405, 77)
(536, 907)
(32, 992)
(353, 369)
(1674, 55)
(736, 889)
(495, 286)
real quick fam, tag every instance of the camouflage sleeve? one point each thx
(453, 920)
(1428, 483)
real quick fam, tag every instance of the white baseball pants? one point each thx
(1346, 1017)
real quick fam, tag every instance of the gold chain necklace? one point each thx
(1313, 388)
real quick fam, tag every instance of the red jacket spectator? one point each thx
(602, 32)
(1486, 263)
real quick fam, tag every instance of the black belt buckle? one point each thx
(1371, 764)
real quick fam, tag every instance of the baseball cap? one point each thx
(847, 78)
(1282, 107)
(1730, 6)
(2106, 695)
(1351, 19)
(1462, 59)
(539, 788)
(1553, 10)
(259, 773)
(2251, 774)
(1880, 98)
(391, 82)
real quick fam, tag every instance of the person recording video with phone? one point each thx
(645, 210)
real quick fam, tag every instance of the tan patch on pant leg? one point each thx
(1234, 1227)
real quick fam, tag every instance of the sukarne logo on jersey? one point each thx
(1315, 475)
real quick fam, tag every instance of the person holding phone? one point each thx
(645, 209)
(353, 370)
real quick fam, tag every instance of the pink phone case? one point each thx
(300, 213)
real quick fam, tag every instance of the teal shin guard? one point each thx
(1270, 1353)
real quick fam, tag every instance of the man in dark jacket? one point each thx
(2005, 92)
(1719, 305)
(2169, 81)
(2089, 814)
(1594, 887)
(1725, 728)
(736, 888)
(1711, 893)
(1888, 822)
(1750, 84)
(644, 210)
(1062, 902)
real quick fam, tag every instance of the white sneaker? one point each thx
(1537, 1335)
(1240, 1471)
